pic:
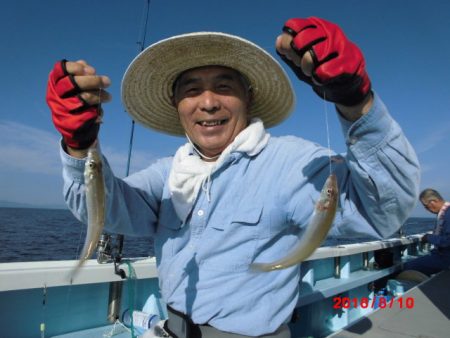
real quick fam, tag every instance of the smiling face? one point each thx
(212, 104)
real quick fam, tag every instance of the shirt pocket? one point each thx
(230, 240)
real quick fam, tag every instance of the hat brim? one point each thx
(147, 83)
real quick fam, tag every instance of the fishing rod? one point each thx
(141, 44)
(108, 252)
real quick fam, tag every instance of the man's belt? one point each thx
(180, 325)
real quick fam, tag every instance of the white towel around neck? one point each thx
(189, 172)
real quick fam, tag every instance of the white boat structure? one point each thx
(37, 299)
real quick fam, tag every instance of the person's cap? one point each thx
(148, 81)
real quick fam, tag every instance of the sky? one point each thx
(406, 45)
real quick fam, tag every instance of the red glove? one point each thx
(72, 116)
(339, 68)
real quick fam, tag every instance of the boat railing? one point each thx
(336, 270)
(96, 297)
(28, 275)
(336, 262)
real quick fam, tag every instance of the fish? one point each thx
(95, 205)
(315, 232)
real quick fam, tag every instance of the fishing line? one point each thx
(117, 329)
(327, 130)
(69, 289)
(100, 116)
(131, 282)
(77, 252)
(145, 16)
(44, 303)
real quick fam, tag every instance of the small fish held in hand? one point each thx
(95, 204)
(315, 233)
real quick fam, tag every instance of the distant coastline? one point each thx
(9, 204)
(39, 234)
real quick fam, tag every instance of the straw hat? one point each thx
(147, 83)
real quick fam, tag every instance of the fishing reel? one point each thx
(111, 251)
(104, 252)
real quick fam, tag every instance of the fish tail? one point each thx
(263, 267)
(74, 272)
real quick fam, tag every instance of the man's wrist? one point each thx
(77, 153)
(353, 113)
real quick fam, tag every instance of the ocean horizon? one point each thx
(37, 234)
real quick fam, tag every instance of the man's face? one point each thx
(212, 104)
(432, 205)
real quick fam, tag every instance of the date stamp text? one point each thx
(376, 302)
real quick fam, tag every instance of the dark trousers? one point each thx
(429, 265)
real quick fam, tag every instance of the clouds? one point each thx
(27, 149)
(432, 149)
(30, 168)
(118, 160)
(435, 138)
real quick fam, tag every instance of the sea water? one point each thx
(55, 234)
(28, 234)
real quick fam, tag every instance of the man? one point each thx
(233, 195)
(439, 258)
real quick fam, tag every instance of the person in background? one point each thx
(234, 195)
(439, 259)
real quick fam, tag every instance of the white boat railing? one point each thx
(29, 275)
(351, 249)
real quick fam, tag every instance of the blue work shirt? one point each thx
(258, 207)
(441, 234)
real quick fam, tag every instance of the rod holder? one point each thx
(114, 301)
(337, 267)
(365, 260)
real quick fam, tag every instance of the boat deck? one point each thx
(428, 317)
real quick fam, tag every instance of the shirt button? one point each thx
(353, 140)
(200, 213)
